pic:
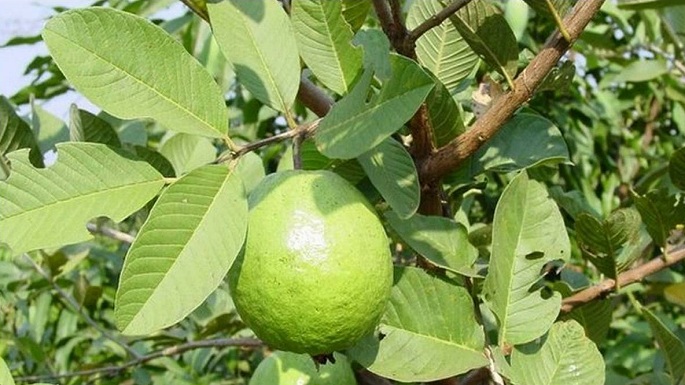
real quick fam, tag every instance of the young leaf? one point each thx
(5, 375)
(123, 64)
(676, 168)
(258, 40)
(188, 152)
(49, 207)
(183, 251)
(89, 128)
(601, 241)
(441, 50)
(391, 170)
(485, 29)
(444, 115)
(528, 231)
(353, 126)
(428, 331)
(441, 240)
(325, 43)
(672, 347)
(16, 134)
(565, 357)
(660, 213)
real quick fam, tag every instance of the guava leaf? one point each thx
(250, 169)
(441, 240)
(542, 7)
(15, 133)
(441, 50)
(5, 375)
(325, 42)
(602, 241)
(354, 126)
(565, 356)
(188, 152)
(639, 71)
(428, 332)
(49, 207)
(524, 141)
(672, 347)
(355, 12)
(48, 129)
(391, 170)
(86, 127)
(487, 32)
(376, 52)
(156, 160)
(258, 40)
(183, 251)
(528, 232)
(444, 115)
(595, 317)
(132, 76)
(676, 168)
(660, 213)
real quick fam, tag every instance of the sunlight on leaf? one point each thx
(142, 73)
(183, 251)
(528, 231)
(31, 195)
(429, 331)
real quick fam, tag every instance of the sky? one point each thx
(26, 18)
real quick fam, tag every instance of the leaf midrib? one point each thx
(183, 249)
(261, 57)
(136, 79)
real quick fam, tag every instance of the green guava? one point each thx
(285, 368)
(316, 270)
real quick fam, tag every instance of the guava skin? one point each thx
(316, 271)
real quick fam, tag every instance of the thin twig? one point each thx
(451, 156)
(437, 19)
(626, 278)
(110, 233)
(77, 308)
(303, 131)
(167, 352)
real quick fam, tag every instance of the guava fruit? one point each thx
(285, 368)
(316, 270)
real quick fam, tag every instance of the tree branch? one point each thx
(436, 19)
(167, 352)
(661, 262)
(313, 97)
(449, 157)
(110, 233)
(302, 131)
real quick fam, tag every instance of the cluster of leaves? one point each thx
(583, 183)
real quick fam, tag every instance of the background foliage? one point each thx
(585, 183)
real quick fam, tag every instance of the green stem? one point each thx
(558, 21)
